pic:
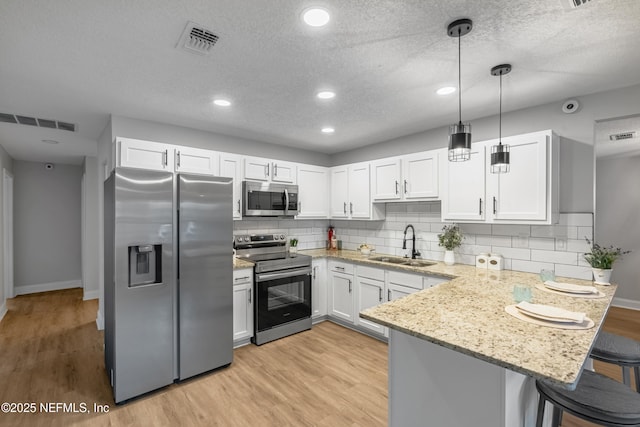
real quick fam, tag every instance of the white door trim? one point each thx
(7, 228)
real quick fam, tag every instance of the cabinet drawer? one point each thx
(242, 276)
(370, 273)
(405, 279)
(341, 267)
(430, 281)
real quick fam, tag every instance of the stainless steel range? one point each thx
(282, 286)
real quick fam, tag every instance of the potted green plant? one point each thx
(601, 260)
(293, 245)
(450, 239)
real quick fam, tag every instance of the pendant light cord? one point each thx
(459, 83)
(500, 114)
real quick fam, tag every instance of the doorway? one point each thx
(7, 229)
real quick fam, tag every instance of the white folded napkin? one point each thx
(553, 314)
(570, 287)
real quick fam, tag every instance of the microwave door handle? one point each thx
(286, 201)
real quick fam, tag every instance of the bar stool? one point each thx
(620, 351)
(597, 399)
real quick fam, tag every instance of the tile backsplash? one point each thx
(524, 247)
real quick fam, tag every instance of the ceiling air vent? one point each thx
(32, 121)
(196, 39)
(574, 4)
(622, 136)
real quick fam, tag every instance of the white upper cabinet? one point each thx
(411, 177)
(313, 196)
(420, 175)
(527, 194)
(386, 179)
(195, 160)
(231, 167)
(351, 193)
(464, 187)
(259, 169)
(136, 153)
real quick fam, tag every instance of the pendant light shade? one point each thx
(500, 154)
(459, 133)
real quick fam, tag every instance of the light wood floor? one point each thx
(50, 351)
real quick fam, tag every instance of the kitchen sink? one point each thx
(403, 261)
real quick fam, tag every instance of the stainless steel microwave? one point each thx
(268, 199)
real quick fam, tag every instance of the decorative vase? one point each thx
(602, 276)
(449, 257)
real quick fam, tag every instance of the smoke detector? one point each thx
(622, 136)
(196, 39)
(574, 4)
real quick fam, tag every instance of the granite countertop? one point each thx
(241, 263)
(467, 315)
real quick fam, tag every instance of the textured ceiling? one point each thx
(80, 60)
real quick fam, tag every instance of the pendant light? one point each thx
(500, 153)
(459, 133)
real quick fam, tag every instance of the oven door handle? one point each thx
(263, 277)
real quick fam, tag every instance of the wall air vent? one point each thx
(33, 121)
(622, 136)
(196, 39)
(574, 4)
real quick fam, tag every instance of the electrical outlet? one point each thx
(561, 244)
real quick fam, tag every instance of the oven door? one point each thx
(282, 297)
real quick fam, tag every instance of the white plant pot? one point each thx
(293, 249)
(449, 257)
(601, 276)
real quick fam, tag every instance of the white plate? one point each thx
(569, 294)
(570, 288)
(513, 311)
(550, 313)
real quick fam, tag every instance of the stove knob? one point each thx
(246, 239)
(275, 237)
(282, 236)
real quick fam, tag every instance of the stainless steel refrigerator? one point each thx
(168, 278)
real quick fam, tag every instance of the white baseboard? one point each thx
(100, 321)
(626, 303)
(91, 295)
(45, 287)
(3, 310)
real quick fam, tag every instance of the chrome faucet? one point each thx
(414, 253)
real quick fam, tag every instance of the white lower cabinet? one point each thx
(395, 291)
(341, 291)
(319, 288)
(370, 292)
(242, 304)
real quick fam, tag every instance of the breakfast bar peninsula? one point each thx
(457, 358)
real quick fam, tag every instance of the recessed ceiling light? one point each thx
(222, 102)
(328, 130)
(316, 17)
(447, 90)
(326, 94)
(50, 141)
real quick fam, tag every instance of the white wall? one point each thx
(6, 162)
(161, 132)
(47, 227)
(617, 208)
(91, 256)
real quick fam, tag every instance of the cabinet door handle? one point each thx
(250, 295)
(405, 186)
(380, 295)
(480, 208)
(339, 268)
(396, 187)
(299, 207)
(275, 169)
(314, 272)
(495, 205)
(349, 286)
(238, 205)
(266, 170)
(345, 208)
(388, 294)
(351, 208)
(165, 158)
(242, 278)
(178, 158)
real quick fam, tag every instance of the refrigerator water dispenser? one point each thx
(145, 265)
